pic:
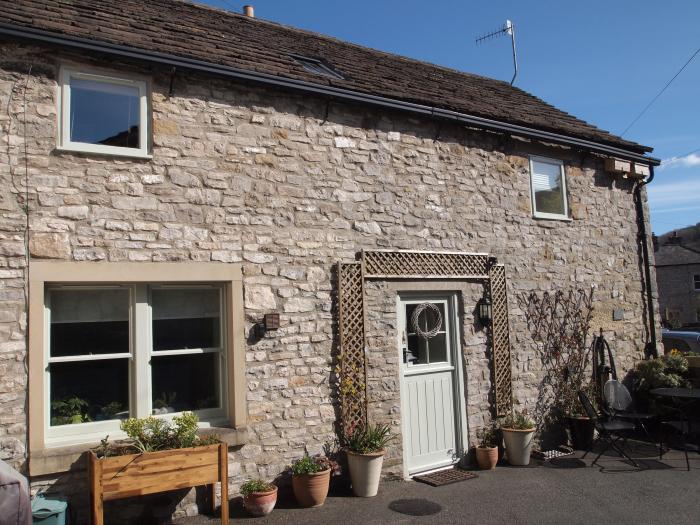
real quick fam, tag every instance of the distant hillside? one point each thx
(690, 236)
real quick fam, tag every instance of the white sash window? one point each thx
(548, 184)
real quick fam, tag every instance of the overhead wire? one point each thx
(641, 113)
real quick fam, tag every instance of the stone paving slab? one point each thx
(568, 490)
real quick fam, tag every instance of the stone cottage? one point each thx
(678, 276)
(206, 211)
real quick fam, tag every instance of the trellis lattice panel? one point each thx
(500, 334)
(351, 326)
(424, 265)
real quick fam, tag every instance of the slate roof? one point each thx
(675, 254)
(220, 37)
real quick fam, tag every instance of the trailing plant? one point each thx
(517, 420)
(256, 485)
(668, 371)
(313, 464)
(367, 439)
(487, 437)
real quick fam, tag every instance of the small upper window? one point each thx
(548, 188)
(696, 282)
(103, 114)
(315, 66)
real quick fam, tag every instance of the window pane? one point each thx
(85, 322)
(547, 187)
(104, 113)
(89, 391)
(438, 348)
(185, 382)
(186, 318)
(417, 350)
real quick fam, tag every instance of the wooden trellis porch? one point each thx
(380, 264)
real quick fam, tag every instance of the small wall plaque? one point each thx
(618, 314)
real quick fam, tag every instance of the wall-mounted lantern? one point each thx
(484, 310)
(269, 322)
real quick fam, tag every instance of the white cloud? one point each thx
(673, 195)
(688, 161)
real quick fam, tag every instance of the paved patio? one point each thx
(567, 490)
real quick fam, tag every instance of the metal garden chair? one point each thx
(609, 432)
(619, 405)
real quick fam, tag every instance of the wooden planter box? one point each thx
(139, 474)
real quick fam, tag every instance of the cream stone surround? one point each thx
(44, 459)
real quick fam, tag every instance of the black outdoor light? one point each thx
(485, 312)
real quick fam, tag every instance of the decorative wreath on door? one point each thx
(431, 332)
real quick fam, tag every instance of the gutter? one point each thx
(84, 44)
(651, 349)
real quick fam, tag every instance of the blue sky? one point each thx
(602, 61)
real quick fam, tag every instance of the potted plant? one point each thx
(311, 477)
(518, 430)
(157, 456)
(581, 427)
(365, 449)
(259, 497)
(487, 448)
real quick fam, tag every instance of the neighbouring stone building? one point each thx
(678, 276)
(172, 173)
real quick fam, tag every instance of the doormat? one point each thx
(445, 477)
(559, 452)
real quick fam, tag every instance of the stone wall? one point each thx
(288, 185)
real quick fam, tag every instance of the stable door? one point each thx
(430, 381)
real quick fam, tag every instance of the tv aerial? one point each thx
(507, 29)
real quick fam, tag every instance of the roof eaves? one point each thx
(59, 39)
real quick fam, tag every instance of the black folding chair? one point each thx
(619, 405)
(609, 432)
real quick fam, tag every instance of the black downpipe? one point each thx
(651, 350)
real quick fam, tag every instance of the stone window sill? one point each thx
(71, 458)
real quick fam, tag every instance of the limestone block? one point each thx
(50, 245)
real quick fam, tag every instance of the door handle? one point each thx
(408, 356)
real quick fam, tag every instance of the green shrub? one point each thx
(256, 485)
(368, 439)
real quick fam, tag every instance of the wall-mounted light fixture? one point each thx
(269, 322)
(484, 309)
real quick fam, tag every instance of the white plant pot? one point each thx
(518, 445)
(365, 471)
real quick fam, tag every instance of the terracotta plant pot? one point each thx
(260, 503)
(581, 429)
(365, 471)
(518, 445)
(311, 490)
(487, 457)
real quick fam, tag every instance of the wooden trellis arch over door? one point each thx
(380, 264)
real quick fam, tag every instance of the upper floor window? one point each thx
(101, 113)
(696, 282)
(548, 186)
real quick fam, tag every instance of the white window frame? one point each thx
(542, 215)
(64, 101)
(140, 354)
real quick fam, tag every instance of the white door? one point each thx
(430, 383)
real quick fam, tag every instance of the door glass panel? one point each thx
(438, 348)
(417, 350)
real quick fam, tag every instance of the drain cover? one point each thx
(415, 507)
